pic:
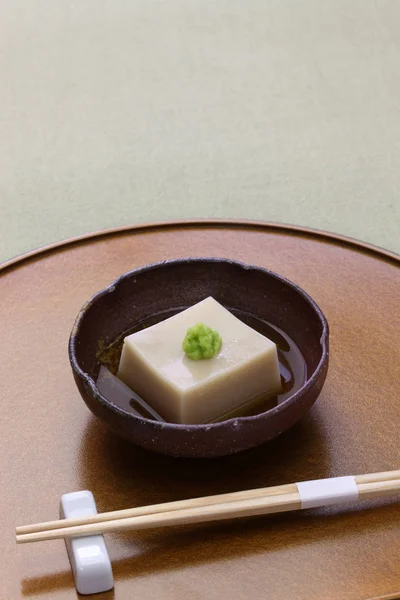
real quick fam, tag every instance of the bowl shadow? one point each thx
(122, 475)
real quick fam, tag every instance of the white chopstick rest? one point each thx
(323, 492)
(88, 556)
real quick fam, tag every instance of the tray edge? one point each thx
(288, 229)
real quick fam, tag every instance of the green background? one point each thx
(118, 112)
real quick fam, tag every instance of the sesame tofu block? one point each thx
(182, 390)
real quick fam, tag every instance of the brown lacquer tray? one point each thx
(51, 444)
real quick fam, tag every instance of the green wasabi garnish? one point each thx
(201, 342)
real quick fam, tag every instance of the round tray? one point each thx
(51, 444)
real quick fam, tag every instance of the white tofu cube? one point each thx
(199, 391)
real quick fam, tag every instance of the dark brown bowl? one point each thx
(149, 294)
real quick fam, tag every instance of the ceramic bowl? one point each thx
(149, 294)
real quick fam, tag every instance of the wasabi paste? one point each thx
(201, 342)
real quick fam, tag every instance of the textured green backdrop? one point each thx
(121, 111)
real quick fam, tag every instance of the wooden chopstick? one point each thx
(239, 504)
(191, 503)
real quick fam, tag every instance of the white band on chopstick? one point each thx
(322, 492)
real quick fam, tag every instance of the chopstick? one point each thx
(224, 506)
(192, 503)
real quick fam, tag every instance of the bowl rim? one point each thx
(89, 382)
